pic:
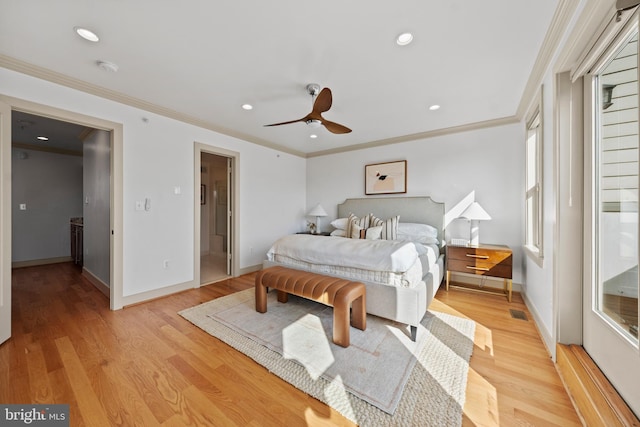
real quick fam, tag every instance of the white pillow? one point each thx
(418, 233)
(417, 229)
(340, 223)
(339, 233)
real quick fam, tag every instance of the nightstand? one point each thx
(485, 260)
(322, 233)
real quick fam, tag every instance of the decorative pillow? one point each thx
(339, 233)
(389, 227)
(371, 233)
(360, 222)
(340, 223)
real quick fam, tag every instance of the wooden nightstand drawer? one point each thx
(485, 260)
(490, 254)
(480, 267)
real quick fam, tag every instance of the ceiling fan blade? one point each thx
(323, 101)
(304, 119)
(334, 127)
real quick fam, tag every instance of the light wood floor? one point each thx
(145, 365)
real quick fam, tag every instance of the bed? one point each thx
(402, 287)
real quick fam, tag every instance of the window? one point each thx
(533, 196)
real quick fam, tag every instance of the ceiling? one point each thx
(201, 61)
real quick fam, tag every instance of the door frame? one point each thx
(116, 185)
(5, 221)
(234, 206)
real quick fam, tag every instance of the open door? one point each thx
(5, 222)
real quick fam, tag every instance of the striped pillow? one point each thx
(389, 227)
(363, 223)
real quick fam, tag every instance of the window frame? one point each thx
(534, 224)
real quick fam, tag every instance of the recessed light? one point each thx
(404, 39)
(87, 34)
(247, 107)
(434, 107)
(108, 66)
(313, 136)
(42, 138)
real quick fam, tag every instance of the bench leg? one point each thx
(341, 325)
(358, 313)
(261, 299)
(283, 296)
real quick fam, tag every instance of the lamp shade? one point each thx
(475, 212)
(317, 211)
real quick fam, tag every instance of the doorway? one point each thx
(113, 139)
(214, 218)
(216, 214)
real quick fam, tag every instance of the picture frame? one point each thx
(203, 194)
(385, 178)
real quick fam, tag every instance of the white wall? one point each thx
(96, 150)
(158, 156)
(486, 164)
(50, 185)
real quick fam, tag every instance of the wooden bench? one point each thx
(341, 294)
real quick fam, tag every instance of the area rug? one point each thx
(382, 378)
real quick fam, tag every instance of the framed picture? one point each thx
(203, 194)
(385, 178)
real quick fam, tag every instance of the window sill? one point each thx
(534, 254)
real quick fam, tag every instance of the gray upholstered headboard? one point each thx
(411, 209)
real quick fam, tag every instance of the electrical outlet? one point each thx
(23, 206)
(165, 264)
(139, 205)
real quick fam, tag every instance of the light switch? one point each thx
(23, 206)
(177, 190)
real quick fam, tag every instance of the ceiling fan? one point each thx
(321, 104)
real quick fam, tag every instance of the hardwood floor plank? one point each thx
(146, 365)
(83, 390)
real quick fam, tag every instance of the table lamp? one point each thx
(475, 214)
(317, 211)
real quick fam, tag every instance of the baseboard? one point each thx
(595, 400)
(156, 293)
(95, 281)
(44, 261)
(547, 339)
(250, 269)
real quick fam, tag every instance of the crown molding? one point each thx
(73, 83)
(422, 135)
(559, 24)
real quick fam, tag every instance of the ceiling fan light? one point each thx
(404, 39)
(313, 123)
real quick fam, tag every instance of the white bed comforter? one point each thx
(389, 262)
